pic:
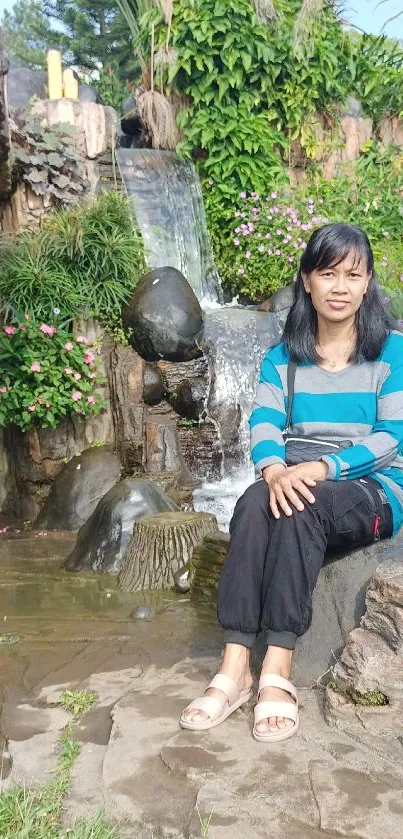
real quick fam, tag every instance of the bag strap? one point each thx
(291, 371)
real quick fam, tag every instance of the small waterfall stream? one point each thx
(167, 203)
(235, 340)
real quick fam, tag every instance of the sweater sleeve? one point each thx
(379, 449)
(268, 418)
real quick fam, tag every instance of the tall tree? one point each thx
(27, 34)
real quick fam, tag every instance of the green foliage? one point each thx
(78, 702)
(370, 699)
(46, 375)
(377, 70)
(27, 34)
(258, 242)
(49, 163)
(112, 89)
(85, 260)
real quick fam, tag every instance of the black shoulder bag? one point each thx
(301, 449)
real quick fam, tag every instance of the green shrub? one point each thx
(85, 260)
(46, 375)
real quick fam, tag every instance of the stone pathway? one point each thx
(135, 761)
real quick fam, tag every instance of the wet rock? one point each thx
(279, 301)
(165, 317)
(201, 450)
(163, 449)
(186, 386)
(352, 107)
(125, 371)
(153, 386)
(143, 613)
(78, 488)
(102, 541)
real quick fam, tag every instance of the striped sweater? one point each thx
(362, 403)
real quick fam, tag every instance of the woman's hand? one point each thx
(291, 484)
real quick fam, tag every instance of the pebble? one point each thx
(143, 613)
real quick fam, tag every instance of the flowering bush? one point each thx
(46, 375)
(268, 237)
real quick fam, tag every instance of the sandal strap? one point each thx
(227, 686)
(266, 709)
(271, 680)
(208, 704)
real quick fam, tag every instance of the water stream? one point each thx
(167, 204)
(235, 340)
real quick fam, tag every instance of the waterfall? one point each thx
(167, 203)
(235, 341)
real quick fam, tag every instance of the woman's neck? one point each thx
(335, 334)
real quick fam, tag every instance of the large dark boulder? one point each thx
(164, 316)
(77, 489)
(23, 83)
(131, 122)
(102, 541)
(153, 386)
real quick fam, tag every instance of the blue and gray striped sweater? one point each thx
(362, 403)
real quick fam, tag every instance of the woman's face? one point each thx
(337, 292)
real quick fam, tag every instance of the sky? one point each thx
(368, 15)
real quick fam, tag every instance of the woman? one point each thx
(348, 387)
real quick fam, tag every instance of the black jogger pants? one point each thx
(273, 564)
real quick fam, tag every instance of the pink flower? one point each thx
(254, 195)
(82, 340)
(36, 367)
(279, 232)
(76, 395)
(268, 236)
(241, 270)
(31, 408)
(248, 255)
(274, 195)
(77, 376)
(89, 357)
(236, 242)
(10, 330)
(242, 194)
(270, 252)
(48, 330)
(245, 231)
(90, 400)
(3, 389)
(278, 253)
(68, 371)
(276, 210)
(69, 346)
(261, 248)
(237, 214)
(210, 180)
(251, 226)
(291, 259)
(237, 230)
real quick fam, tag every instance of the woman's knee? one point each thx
(254, 501)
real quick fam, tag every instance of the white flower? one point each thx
(56, 311)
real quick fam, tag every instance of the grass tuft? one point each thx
(78, 702)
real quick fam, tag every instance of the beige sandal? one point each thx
(267, 708)
(217, 709)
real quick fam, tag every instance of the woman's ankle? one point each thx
(236, 657)
(278, 660)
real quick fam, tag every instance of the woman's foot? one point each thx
(235, 664)
(278, 661)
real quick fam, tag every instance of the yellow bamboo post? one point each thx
(55, 83)
(70, 84)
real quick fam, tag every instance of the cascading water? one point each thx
(235, 341)
(167, 204)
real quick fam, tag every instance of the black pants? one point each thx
(273, 564)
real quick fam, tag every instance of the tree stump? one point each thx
(160, 545)
(206, 565)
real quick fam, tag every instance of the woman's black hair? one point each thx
(327, 247)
